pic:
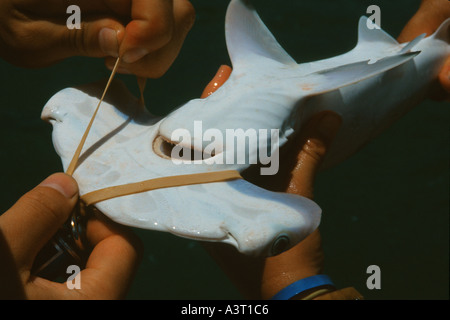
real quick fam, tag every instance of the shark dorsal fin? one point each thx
(248, 38)
(365, 34)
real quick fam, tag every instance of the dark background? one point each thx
(388, 205)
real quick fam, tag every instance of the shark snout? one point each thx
(52, 113)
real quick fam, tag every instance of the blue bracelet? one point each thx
(303, 285)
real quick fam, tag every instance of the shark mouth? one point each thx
(170, 150)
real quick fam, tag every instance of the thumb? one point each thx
(98, 38)
(36, 217)
(95, 38)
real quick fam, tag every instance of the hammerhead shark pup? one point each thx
(370, 86)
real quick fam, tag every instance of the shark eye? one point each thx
(281, 244)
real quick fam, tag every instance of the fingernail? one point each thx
(61, 183)
(108, 42)
(134, 55)
(329, 124)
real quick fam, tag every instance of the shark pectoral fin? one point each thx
(248, 38)
(335, 78)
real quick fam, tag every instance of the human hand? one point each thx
(27, 226)
(262, 278)
(300, 160)
(428, 18)
(147, 34)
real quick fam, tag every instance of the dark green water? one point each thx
(388, 205)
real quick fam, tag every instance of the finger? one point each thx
(109, 270)
(97, 37)
(219, 79)
(414, 28)
(314, 142)
(100, 227)
(36, 217)
(44, 43)
(153, 60)
(150, 29)
(108, 274)
(426, 20)
(113, 261)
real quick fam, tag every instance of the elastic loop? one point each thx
(73, 164)
(158, 183)
(303, 285)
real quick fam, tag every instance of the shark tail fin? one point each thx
(248, 38)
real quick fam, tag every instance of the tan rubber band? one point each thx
(74, 162)
(148, 185)
(158, 183)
